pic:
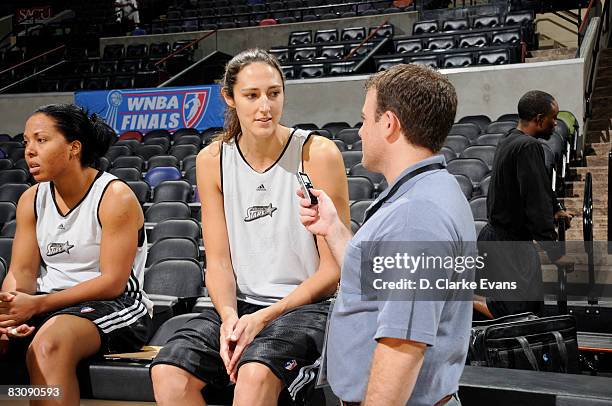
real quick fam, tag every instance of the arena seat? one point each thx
(5, 163)
(354, 226)
(495, 57)
(483, 187)
(457, 143)
(116, 151)
(178, 134)
(133, 161)
(484, 152)
(3, 270)
(480, 120)
(473, 41)
(466, 185)
(486, 21)
(159, 133)
(172, 191)
(457, 61)
(11, 192)
(326, 36)
(353, 34)
(131, 144)
(189, 162)
(440, 43)
(348, 135)
(314, 70)
(351, 158)
(335, 127)
(171, 247)
(360, 187)
(506, 37)
(425, 27)
(14, 176)
(455, 25)
(176, 228)
(448, 153)
(408, 46)
(479, 224)
(167, 210)
(8, 211)
(164, 143)
(383, 64)
(6, 246)
(479, 207)
(163, 160)
(174, 277)
(159, 174)
(375, 177)
(431, 61)
(16, 154)
(184, 150)
(332, 51)
(473, 168)
(194, 140)
(141, 189)
(509, 117)
(300, 37)
(341, 145)
(489, 139)
(500, 127)
(358, 209)
(127, 174)
(469, 130)
(103, 163)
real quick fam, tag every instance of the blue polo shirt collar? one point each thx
(404, 188)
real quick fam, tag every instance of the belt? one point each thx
(440, 402)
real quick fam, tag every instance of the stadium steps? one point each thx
(555, 54)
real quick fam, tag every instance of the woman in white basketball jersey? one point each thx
(73, 289)
(268, 280)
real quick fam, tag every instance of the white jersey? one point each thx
(271, 251)
(70, 245)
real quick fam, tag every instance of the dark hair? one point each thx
(424, 101)
(232, 69)
(534, 102)
(75, 124)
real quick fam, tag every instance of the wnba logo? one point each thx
(194, 107)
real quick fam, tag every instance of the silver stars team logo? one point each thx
(257, 212)
(56, 248)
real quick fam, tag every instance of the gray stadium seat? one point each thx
(466, 185)
(172, 191)
(358, 209)
(473, 168)
(360, 188)
(484, 152)
(479, 207)
(172, 247)
(176, 228)
(457, 143)
(480, 120)
(174, 277)
(167, 210)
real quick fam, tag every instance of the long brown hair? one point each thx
(234, 66)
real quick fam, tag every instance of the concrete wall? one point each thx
(488, 90)
(232, 41)
(16, 108)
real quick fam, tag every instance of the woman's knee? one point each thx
(171, 383)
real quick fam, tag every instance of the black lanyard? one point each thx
(431, 167)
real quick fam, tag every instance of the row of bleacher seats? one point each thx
(120, 67)
(278, 12)
(332, 52)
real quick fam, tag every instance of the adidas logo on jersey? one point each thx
(261, 188)
(61, 227)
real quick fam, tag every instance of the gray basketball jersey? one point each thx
(70, 245)
(272, 252)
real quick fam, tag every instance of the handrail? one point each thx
(33, 75)
(195, 41)
(587, 233)
(32, 59)
(589, 87)
(583, 23)
(609, 201)
(366, 39)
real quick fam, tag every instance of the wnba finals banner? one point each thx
(144, 110)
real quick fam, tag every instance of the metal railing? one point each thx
(587, 233)
(603, 28)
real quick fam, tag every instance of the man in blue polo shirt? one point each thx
(390, 345)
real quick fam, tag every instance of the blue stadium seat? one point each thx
(161, 173)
